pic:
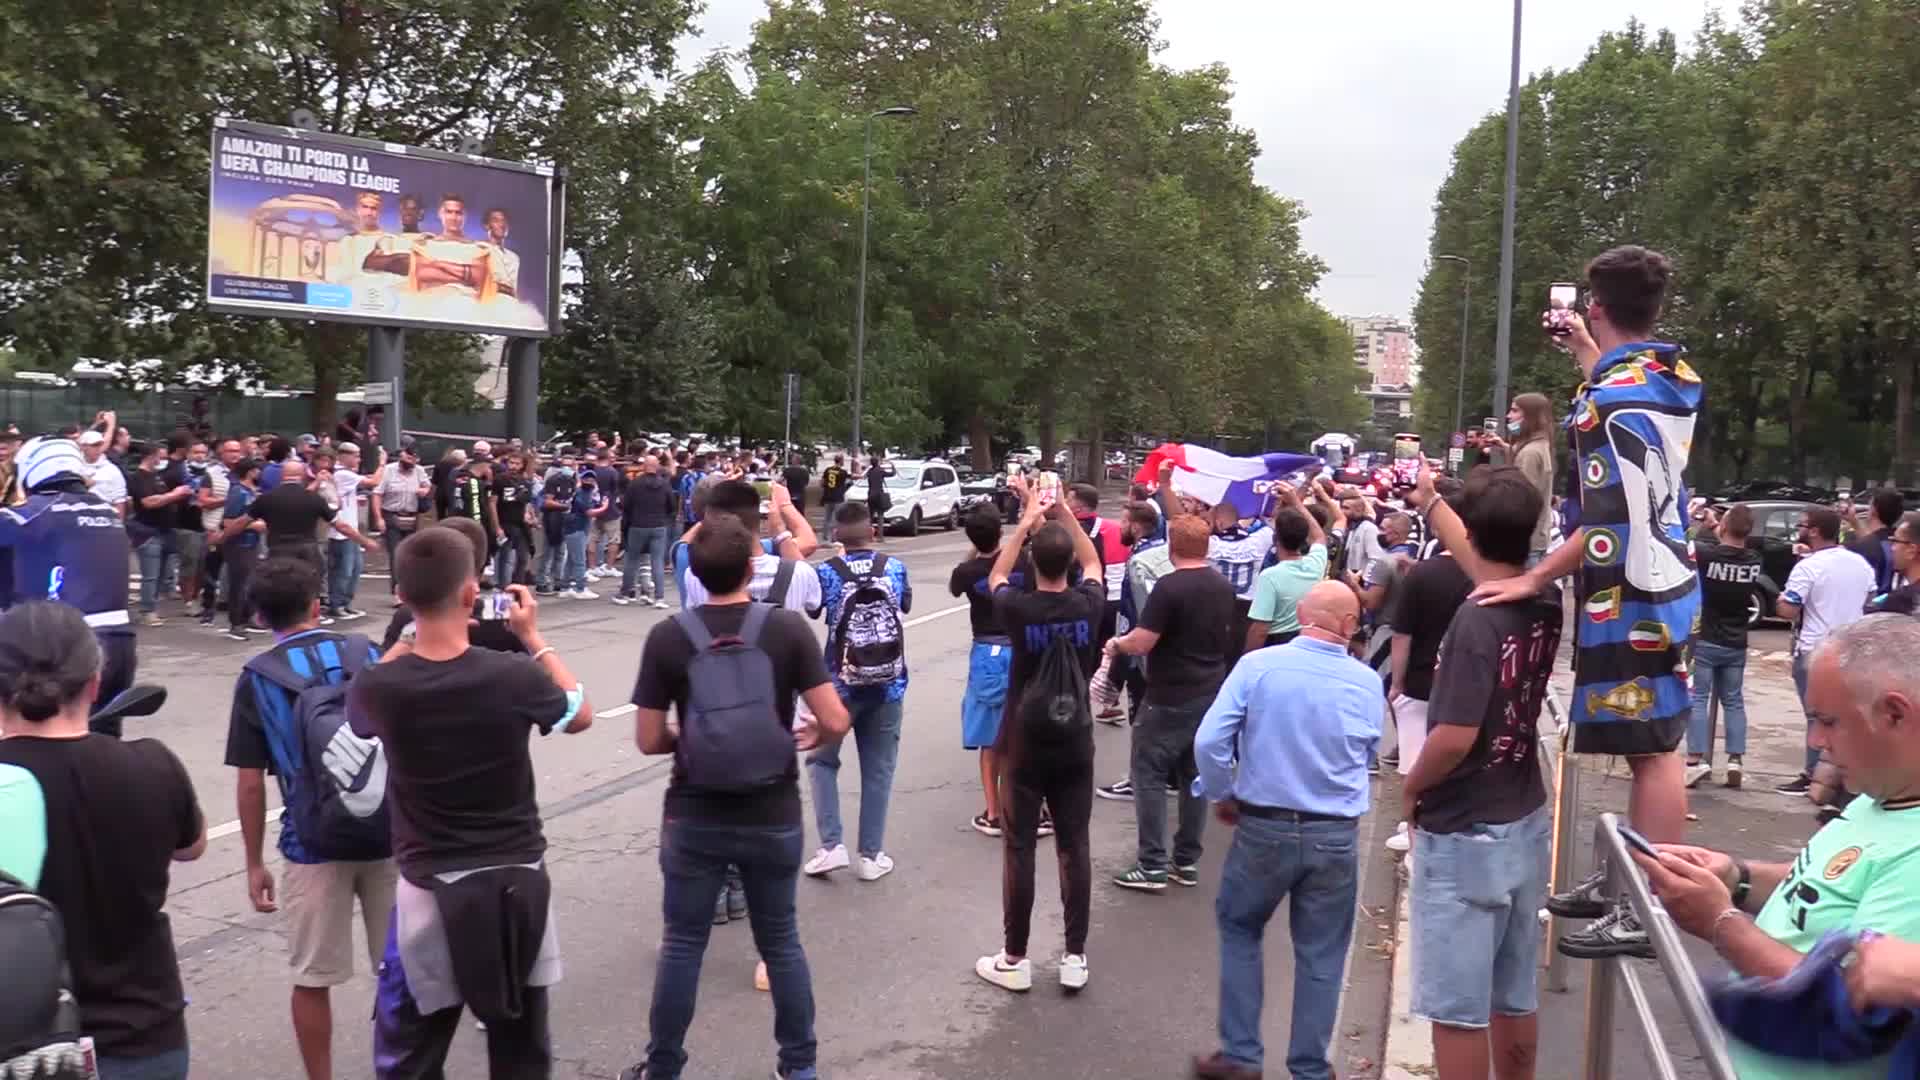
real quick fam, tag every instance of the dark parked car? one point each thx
(978, 488)
(1773, 491)
(1775, 531)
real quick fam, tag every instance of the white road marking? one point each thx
(273, 815)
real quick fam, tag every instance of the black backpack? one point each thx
(731, 737)
(1053, 705)
(39, 1015)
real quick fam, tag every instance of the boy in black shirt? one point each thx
(1057, 775)
(757, 828)
(1482, 829)
(991, 661)
(1729, 582)
(453, 721)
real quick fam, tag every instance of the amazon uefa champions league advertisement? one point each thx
(318, 226)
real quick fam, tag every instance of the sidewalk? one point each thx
(1752, 822)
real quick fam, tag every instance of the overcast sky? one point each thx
(1357, 105)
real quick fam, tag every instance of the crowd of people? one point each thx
(1264, 659)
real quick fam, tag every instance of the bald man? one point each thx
(1300, 720)
(293, 513)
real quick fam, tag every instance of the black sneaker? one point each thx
(1119, 790)
(1587, 900)
(1185, 875)
(720, 907)
(1045, 828)
(235, 635)
(1799, 785)
(1617, 933)
(736, 896)
(985, 825)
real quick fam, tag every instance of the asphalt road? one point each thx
(892, 960)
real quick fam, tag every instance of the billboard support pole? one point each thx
(387, 362)
(523, 389)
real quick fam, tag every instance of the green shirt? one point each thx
(1861, 872)
(23, 825)
(1276, 595)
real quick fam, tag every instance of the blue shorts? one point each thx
(1476, 920)
(988, 670)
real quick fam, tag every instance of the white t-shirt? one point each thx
(107, 481)
(803, 592)
(219, 481)
(346, 484)
(1831, 586)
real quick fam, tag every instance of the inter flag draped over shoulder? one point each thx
(1213, 477)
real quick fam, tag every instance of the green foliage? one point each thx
(1770, 161)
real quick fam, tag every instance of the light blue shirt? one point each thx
(1302, 718)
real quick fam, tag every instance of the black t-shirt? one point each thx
(1904, 600)
(482, 633)
(292, 513)
(612, 485)
(459, 775)
(1873, 548)
(796, 477)
(116, 813)
(513, 493)
(1032, 620)
(970, 580)
(142, 484)
(1492, 676)
(833, 484)
(649, 502)
(798, 666)
(442, 489)
(1193, 612)
(1423, 609)
(1728, 577)
(467, 496)
(186, 513)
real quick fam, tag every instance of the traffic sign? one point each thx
(377, 393)
(1455, 455)
(1457, 440)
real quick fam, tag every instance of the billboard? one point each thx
(317, 226)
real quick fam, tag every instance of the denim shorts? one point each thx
(1475, 909)
(988, 669)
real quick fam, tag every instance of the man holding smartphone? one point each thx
(1630, 429)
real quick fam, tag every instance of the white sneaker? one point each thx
(1073, 972)
(1017, 977)
(1697, 772)
(584, 594)
(1401, 840)
(660, 604)
(622, 599)
(826, 861)
(875, 868)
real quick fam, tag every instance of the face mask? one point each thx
(1513, 427)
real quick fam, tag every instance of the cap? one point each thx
(91, 438)
(407, 443)
(308, 440)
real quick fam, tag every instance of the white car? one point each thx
(923, 493)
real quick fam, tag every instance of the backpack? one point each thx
(731, 737)
(869, 642)
(333, 782)
(1053, 705)
(39, 1014)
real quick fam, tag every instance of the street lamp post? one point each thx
(1466, 295)
(1503, 330)
(860, 287)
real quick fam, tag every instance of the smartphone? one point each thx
(495, 606)
(1046, 489)
(1560, 300)
(1490, 425)
(1635, 841)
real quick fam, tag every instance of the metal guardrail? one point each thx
(1566, 802)
(1669, 954)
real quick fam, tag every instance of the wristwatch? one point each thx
(1744, 885)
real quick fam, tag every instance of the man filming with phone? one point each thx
(1630, 429)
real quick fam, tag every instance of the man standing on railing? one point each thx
(1482, 831)
(1860, 872)
(1630, 429)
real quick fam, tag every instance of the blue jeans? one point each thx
(575, 573)
(876, 732)
(1724, 668)
(1314, 864)
(1800, 661)
(553, 564)
(168, 1065)
(693, 863)
(1475, 932)
(650, 544)
(154, 554)
(345, 561)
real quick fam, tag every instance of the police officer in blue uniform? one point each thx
(70, 547)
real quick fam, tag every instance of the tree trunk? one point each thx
(1797, 397)
(1903, 463)
(323, 344)
(1046, 420)
(981, 439)
(1096, 451)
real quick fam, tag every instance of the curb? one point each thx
(1409, 1053)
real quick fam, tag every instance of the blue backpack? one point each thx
(333, 782)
